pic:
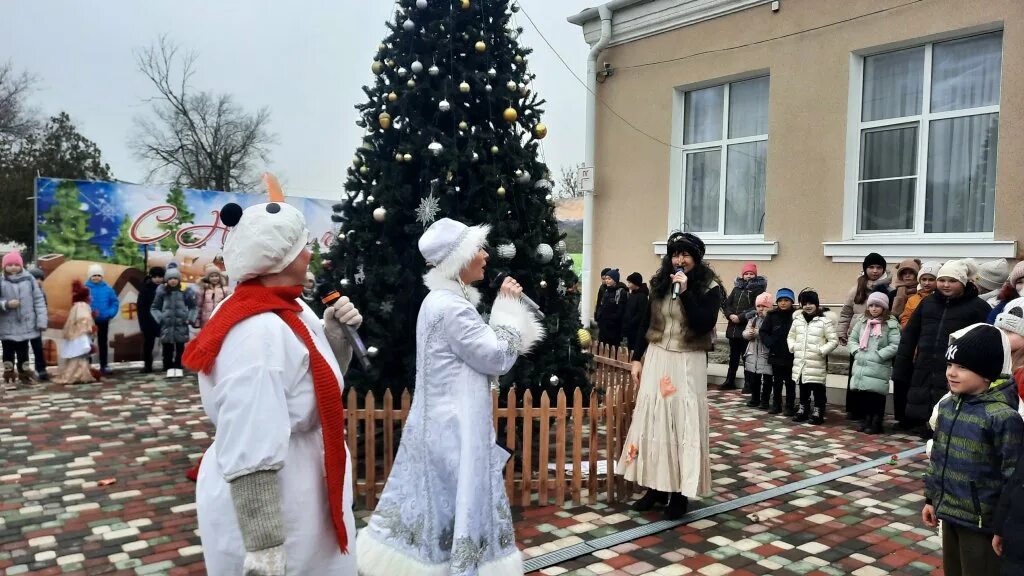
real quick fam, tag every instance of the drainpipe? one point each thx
(586, 300)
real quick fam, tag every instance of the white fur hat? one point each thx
(94, 270)
(963, 271)
(448, 246)
(267, 238)
(1011, 319)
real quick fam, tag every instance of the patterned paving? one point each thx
(92, 481)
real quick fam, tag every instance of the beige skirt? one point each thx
(667, 445)
(75, 371)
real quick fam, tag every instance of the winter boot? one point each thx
(677, 506)
(804, 413)
(42, 376)
(26, 375)
(874, 423)
(9, 373)
(790, 406)
(650, 499)
(755, 397)
(818, 415)
(746, 386)
(776, 405)
(766, 394)
(727, 385)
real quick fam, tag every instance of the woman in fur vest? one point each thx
(666, 449)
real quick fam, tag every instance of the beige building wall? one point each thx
(808, 110)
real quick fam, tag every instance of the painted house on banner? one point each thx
(805, 134)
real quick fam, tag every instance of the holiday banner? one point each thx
(127, 228)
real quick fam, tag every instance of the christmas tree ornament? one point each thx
(407, 157)
(433, 70)
(401, 72)
(370, 199)
(345, 282)
(377, 67)
(494, 150)
(357, 161)
(491, 72)
(421, 4)
(515, 7)
(480, 46)
(506, 251)
(584, 338)
(511, 85)
(463, 126)
(543, 184)
(435, 148)
(543, 283)
(528, 113)
(549, 198)
(399, 157)
(444, 106)
(475, 157)
(380, 214)
(411, 83)
(488, 88)
(390, 62)
(381, 47)
(408, 25)
(540, 131)
(523, 177)
(385, 120)
(518, 59)
(544, 253)
(465, 4)
(464, 87)
(416, 67)
(561, 246)
(427, 211)
(553, 381)
(501, 191)
(510, 114)
(392, 97)
(372, 351)
(364, 170)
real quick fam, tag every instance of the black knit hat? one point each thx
(605, 272)
(809, 296)
(980, 350)
(688, 243)
(157, 272)
(874, 259)
(635, 278)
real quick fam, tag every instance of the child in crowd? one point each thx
(925, 286)
(773, 333)
(175, 310)
(757, 369)
(873, 344)
(104, 309)
(811, 339)
(978, 440)
(738, 309)
(1014, 288)
(23, 317)
(1008, 541)
(990, 278)
(76, 339)
(37, 343)
(212, 290)
(873, 278)
(905, 285)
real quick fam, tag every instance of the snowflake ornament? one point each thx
(427, 211)
(387, 307)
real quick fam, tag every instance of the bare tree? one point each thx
(197, 139)
(16, 120)
(568, 182)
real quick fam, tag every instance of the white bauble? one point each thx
(435, 148)
(433, 70)
(380, 214)
(561, 247)
(408, 25)
(544, 253)
(444, 106)
(421, 4)
(416, 67)
(506, 251)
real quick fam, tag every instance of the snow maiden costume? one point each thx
(444, 510)
(274, 493)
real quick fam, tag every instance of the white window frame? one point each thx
(916, 242)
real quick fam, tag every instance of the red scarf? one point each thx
(252, 298)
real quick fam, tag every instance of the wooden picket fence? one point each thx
(558, 447)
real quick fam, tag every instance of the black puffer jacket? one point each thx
(774, 332)
(921, 359)
(611, 310)
(635, 306)
(147, 324)
(741, 303)
(1009, 517)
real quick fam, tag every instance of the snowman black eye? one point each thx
(273, 207)
(230, 214)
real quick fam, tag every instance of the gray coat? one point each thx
(28, 320)
(175, 310)
(872, 368)
(755, 359)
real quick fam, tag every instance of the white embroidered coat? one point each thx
(444, 510)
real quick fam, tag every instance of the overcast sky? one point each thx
(305, 59)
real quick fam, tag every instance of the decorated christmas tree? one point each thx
(452, 130)
(126, 251)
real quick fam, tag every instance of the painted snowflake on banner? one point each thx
(427, 211)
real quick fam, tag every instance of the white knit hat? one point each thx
(992, 274)
(930, 268)
(1011, 319)
(265, 241)
(963, 271)
(448, 246)
(94, 270)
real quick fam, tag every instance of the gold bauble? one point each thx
(518, 59)
(392, 97)
(411, 83)
(480, 46)
(357, 161)
(398, 157)
(385, 120)
(364, 170)
(584, 337)
(463, 126)
(465, 4)
(510, 114)
(407, 157)
(381, 47)
(377, 67)
(501, 191)
(494, 149)
(390, 62)
(540, 131)
(464, 87)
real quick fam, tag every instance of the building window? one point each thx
(725, 133)
(929, 133)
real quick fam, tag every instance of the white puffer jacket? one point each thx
(811, 343)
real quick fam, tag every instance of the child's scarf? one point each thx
(873, 328)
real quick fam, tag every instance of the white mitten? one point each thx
(266, 562)
(342, 312)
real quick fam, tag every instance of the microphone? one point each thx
(328, 296)
(500, 279)
(677, 288)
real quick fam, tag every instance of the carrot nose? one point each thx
(274, 191)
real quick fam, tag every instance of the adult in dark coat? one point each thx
(148, 325)
(738, 310)
(636, 304)
(1009, 517)
(611, 308)
(919, 374)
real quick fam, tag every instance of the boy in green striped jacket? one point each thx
(978, 441)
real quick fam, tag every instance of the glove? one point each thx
(266, 562)
(342, 312)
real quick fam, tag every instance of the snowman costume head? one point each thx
(264, 238)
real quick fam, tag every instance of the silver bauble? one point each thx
(370, 199)
(402, 72)
(345, 282)
(433, 70)
(554, 380)
(444, 106)
(523, 177)
(543, 183)
(506, 251)
(492, 72)
(475, 157)
(416, 67)
(543, 283)
(435, 148)
(421, 4)
(380, 214)
(408, 25)
(372, 351)
(511, 85)
(545, 253)
(488, 88)
(561, 246)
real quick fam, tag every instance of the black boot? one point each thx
(804, 413)
(650, 499)
(776, 405)
(818, 415)
(874, 423)
(677, 506)
(766, 394)
(746, 386)
(727, 385)
(790, 407)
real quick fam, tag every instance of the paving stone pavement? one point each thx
(60, 448)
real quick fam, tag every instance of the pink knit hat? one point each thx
(763, 299)
(1016, 274)
(878, 299)
(749, 267)
(13, 257)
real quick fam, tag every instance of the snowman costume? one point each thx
(444, 511)
(270, 376)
